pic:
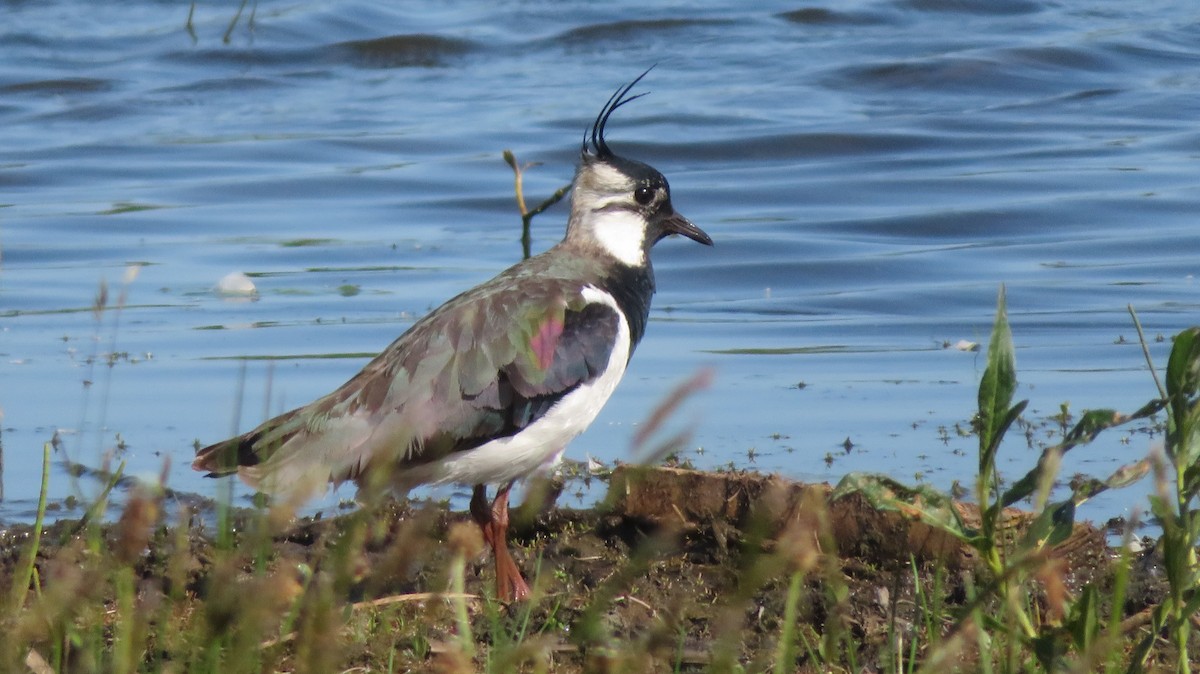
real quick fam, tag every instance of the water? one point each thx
(871, 172)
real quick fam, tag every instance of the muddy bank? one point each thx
(676, 571)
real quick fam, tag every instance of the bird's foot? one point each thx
(493, 522)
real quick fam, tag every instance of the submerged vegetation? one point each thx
(676, 571)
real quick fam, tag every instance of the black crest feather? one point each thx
(620, 97)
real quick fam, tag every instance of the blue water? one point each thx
(871, 173)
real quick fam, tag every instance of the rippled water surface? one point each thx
(871, 173)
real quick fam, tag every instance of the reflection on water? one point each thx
(871, 173)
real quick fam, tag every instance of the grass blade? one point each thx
(25, 570)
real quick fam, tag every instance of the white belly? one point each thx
(540, 445)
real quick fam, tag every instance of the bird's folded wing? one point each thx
(481, 367)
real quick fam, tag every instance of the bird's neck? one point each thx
(631, 285)
(632, 288)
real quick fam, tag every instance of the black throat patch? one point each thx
(632, 288)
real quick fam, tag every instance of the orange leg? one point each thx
(493, 522)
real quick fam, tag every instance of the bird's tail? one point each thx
(250, 449)
(224, 458)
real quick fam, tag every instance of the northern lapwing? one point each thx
(492, 385)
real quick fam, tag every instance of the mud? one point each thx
(676, 570)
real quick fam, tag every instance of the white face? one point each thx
(622, 234)
(604, 209)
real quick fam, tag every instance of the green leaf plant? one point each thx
(1016, 561)
(1173, 504)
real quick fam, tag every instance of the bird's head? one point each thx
(622, 205)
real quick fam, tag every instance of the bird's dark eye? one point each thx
(644, 195)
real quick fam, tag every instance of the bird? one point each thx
(490, 387)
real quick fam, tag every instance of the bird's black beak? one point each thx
(677, 224)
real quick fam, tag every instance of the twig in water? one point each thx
(191, 28)
(526, 214)
(234, 22)
(1162, 392)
